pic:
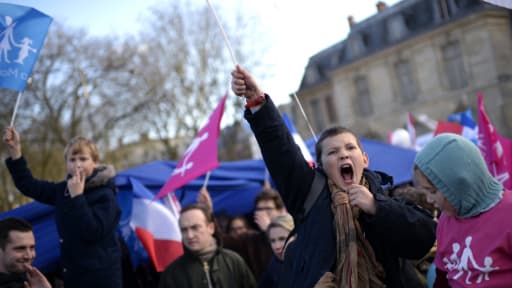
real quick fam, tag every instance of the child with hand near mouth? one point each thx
(86, 211)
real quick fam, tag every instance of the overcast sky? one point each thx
(297, 29)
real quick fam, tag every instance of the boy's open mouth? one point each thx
(347, 173)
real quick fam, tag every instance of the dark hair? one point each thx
(12, 224)
(270, 194)
(331, 132)
(238, 217)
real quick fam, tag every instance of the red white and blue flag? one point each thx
(298, 140)
(200, 157)
(456, 128)
(156, 225)
(469, 126)
(496, 149)
(411, 129)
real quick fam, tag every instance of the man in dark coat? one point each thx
(253, 246)
(204, 263)
(380, 230)
(17, 251)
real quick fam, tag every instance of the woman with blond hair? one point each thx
(277, 231)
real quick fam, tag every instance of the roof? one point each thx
(393, 25)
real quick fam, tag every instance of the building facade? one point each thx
(427, 57)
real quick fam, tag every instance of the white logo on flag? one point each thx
(7, 43)
(190, 150)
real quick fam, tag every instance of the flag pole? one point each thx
(226, 39)
(16, 108)
(83, 81)
(206, 179)
(266, 182)
(305, 116)
(18, 100)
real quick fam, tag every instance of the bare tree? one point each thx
(164, 82)
(81, 86)
(186, 67)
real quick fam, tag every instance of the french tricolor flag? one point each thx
(156, 225)
(411, 129)
(298, 140)
(456, 128)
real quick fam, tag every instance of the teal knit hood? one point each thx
(456, 168)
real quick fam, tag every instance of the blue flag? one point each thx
(469, 127)
(22, 33)
(463, 118)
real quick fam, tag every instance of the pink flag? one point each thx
(201, 155)
(495, 148)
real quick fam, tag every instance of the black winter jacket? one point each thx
(12, 280)
(397, 230)
(86, 224)
(226, 269)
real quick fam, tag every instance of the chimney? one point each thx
(351, 21)
(381, 5)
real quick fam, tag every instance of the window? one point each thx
(317, 115)
(364, 103)
(396, 27)
(454, 66)
(356, 45)
(331, 109)
(445, 8)
(406, 81)
(312, 74)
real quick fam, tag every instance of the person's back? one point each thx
(204, 263)
(253, 247)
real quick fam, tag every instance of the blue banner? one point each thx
(22, 33)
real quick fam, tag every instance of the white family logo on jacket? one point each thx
(466, 263)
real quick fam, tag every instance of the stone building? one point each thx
(427, 57)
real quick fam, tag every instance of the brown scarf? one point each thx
(356, 266)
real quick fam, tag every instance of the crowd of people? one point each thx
(333, 225)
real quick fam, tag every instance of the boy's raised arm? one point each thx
(12, 139)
